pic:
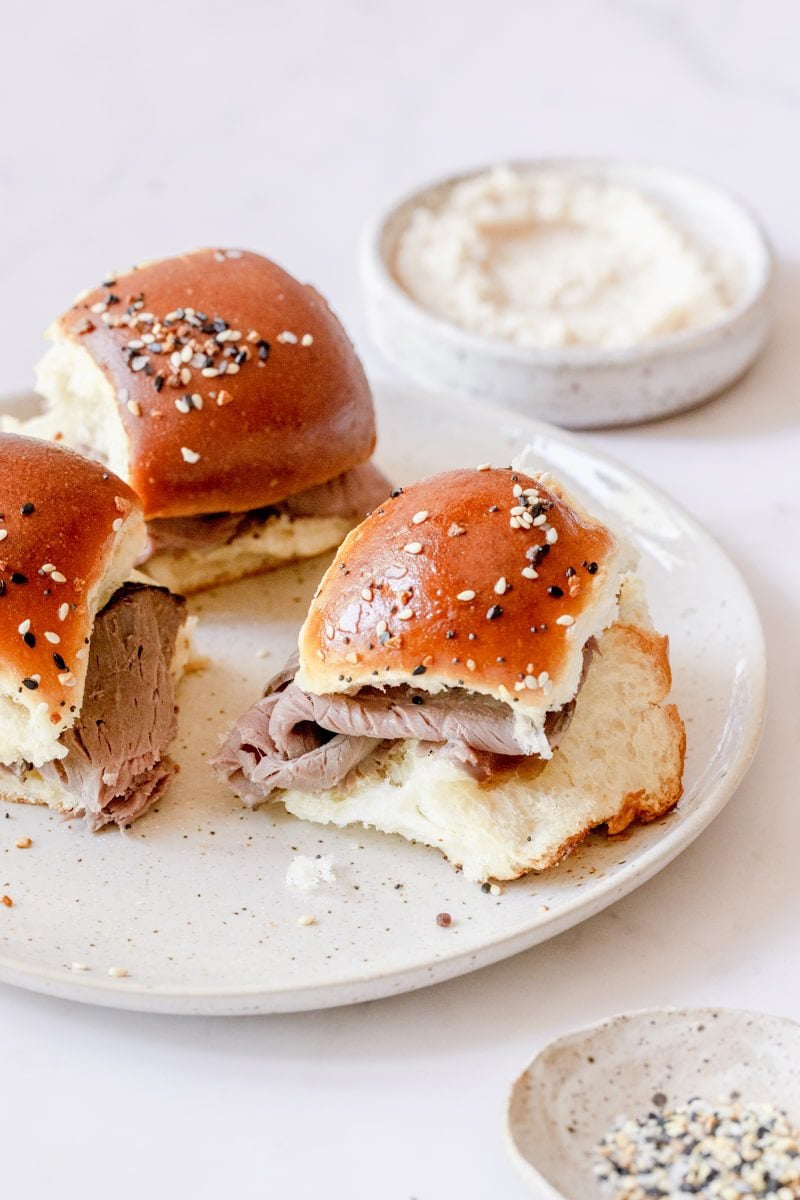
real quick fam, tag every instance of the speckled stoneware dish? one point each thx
(582, 387)
(574, 1089)
(193, 901)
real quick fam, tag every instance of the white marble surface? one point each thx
(135, 132)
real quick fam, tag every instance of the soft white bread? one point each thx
(481, 579)
(277, 540)
(620, 760)
(70, 533)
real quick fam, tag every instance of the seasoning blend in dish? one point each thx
(545, 259)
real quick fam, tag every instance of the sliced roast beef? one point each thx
(115, 765)
(350, 495)
(297, 739)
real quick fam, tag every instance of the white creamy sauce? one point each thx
(545, 259)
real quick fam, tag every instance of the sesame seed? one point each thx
(306, 920)
(552, 536)
(287, 337)
(530, 682)
(405, 614)
(57, 577)
(381, 627)
(470, 664)
(117, 972)
(565, 620)
(517, 490)
(134, 407)
(63, 612)
(484, 466)
(366, 594)
(529, 573)
(185, 375)
(501, 586)
(543, 678)
(24, 626)
(53, 638)
(419, 517)
(78, 966)
(466, 595)
(306, 340)
(3, 534)
(352, 657)
(139, 362)
(223, 397)
(189, 456)
(24, 843)
(413, 548)
(117, 524)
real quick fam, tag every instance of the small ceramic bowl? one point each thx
(582, 387)
(573, 1091)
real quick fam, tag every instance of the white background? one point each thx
(131, 131)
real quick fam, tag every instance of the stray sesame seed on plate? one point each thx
(189, 456)
(117, 972)
(24, 843)
(466, 595)
(78, 966)
(413, 547)
(306, 920)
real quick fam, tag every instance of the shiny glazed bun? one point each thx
(212, 382)
(70, 532)
(485, 579)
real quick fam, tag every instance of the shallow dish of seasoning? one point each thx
(561, 380)
(653, 1088)
(202, 906)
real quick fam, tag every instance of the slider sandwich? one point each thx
(88, 660)
(229, 397)
(477, 672)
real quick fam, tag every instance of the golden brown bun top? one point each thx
(430, 589)
(292, 410)
(61, 516)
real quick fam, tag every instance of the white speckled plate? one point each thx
(193, 903)
(574, 1090)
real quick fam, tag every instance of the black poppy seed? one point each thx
(500, 658)
(515, 478)
(570, 571)
(59, 661)
(486, 887)
(494, 508)
(29, 639)
(397, 492)
(219, 326)
(2, 587)
(419, 670)
(555, 591)
(591, 568)
(158, 382)
(30, 684)
(417, 700)
(18, 577)
(494, 612)
(27, 508)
